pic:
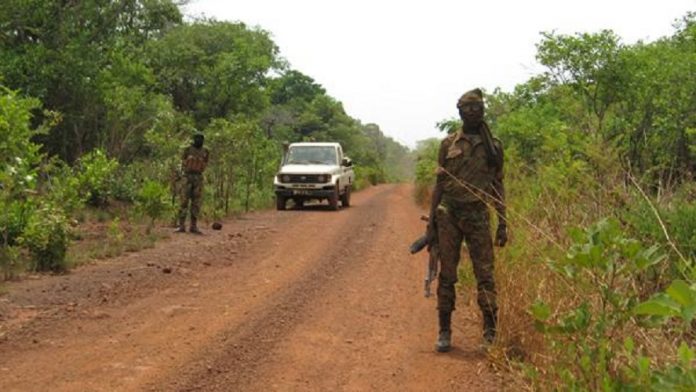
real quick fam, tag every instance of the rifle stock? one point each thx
(434, 251)
(419, 244)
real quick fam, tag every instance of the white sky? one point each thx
(403, 64)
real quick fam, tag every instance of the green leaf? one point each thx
(629, 345)
(643, 365)
(577, 235)
(686, 354)
(540, 311)
(656, 307)
(688, 313)
(682, 293)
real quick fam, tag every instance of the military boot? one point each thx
(181, 228)
(489, 326)
(194, 227)
(444, 337)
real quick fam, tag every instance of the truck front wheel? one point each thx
(345, 197)
(333, 199)
(280, 202)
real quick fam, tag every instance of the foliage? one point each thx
(604, 267)
(94, 177)
(60, 52)
(426, 163)
(47, 237)
(19, 157)
(153, 201)
(214, 69)
(61, 187)
(240, 165)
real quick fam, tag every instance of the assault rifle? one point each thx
(434, 251)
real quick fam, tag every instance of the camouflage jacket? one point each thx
(194, 160)
(464, 156)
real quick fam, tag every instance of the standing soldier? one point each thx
(193, 163)
(469, 174)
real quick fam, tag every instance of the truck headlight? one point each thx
(285, 178)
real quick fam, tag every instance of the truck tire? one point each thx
(345, 197)
(280, 203)
(333, 199)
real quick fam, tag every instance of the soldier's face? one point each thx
(471, 112)
(198, 141)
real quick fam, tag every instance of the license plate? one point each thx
(300, 192)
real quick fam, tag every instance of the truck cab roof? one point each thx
(321, 144)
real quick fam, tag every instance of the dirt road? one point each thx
(311, 300)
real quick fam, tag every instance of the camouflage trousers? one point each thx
(191, 192)
(468, 222)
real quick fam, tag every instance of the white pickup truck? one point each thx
(314, 171)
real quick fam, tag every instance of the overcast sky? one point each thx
(403, 64)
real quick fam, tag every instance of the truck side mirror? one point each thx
(346, 162)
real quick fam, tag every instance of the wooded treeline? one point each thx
(598, 281)
(99, 97)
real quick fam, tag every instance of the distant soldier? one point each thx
(193, 163)
(469, 174)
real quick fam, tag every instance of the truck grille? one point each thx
(304, 178)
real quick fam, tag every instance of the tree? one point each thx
(214, 69)
(56, 52)
(589, 63)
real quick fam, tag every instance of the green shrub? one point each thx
(426, 163)
(125, 188)
(13, 221)
(153, 201)
(95, 176)
(592, 332)
(63, 187)
(679, 216)
(47, 237)
(367, 176)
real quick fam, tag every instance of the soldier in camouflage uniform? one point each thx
(193, 163)
(470, 172)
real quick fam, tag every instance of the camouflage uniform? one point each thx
(194, 162)
(470, 172)
(463, 215)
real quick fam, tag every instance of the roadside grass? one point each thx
(104, 237)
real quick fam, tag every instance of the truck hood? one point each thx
(308, 169)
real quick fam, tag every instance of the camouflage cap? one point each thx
(475, 95)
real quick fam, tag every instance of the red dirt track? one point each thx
(311, 300)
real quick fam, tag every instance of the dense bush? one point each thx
(95, 176)
(61, 187)
(19, 158)
(47, 237)
(153, 201)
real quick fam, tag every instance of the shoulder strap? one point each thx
(494, 158)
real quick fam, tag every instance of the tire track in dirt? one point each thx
(244, 348)
(374, 331)
(365, 328)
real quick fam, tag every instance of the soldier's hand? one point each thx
(501, 236)
(431, 236)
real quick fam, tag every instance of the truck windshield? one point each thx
(322, 155)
